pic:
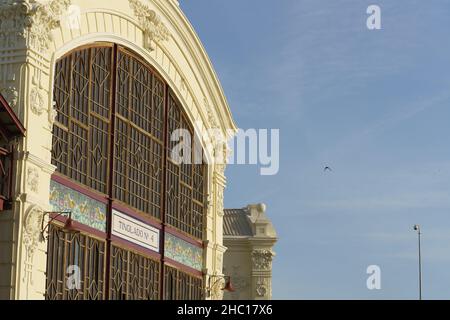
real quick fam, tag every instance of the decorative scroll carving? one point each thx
(52, 115)
(261, 287)
(37, 102)
(216, 290)
(33, 179)
(220, 199)
(10, 94)
(30, 22)
(262, 259)
(151, 24)
(212, 122)
(32, 224)
(222, 154)
(31, 235)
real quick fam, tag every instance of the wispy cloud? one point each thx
(353, 99)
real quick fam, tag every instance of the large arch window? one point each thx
(115, 116)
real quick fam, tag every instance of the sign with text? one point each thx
(135, 231)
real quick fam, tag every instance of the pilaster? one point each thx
(25, 78)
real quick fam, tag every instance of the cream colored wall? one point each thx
(238, 265)
(155, 29)
(250, 266)
(248, 260)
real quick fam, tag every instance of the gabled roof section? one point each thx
(10, 125)
(236, 223)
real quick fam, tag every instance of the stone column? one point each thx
(262, 274)
(216, 250)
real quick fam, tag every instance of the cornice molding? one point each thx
(200, 58)
(43, 165)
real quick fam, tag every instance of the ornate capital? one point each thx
(151, 24)
(262, 259)
(30, 22)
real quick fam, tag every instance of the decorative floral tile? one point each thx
(183, 252)
(84, 209)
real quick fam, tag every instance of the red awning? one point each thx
(10, 125)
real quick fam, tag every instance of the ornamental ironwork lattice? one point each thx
(179, 285)
(112, 134)
(133, 276)
(87, 107)
(87, 254)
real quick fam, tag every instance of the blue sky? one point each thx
(373, 105)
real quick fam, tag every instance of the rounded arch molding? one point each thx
(187, 103)
(179, 58)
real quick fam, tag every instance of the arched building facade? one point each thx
(100, 87)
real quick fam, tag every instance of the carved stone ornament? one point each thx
(154, 29)
(211, 118)
(31, 236)
(52, 115)
(261, 287)
(220, 199)
(10, 94)
(30, 22)
(216, 290)
(37, 102)
(262, 259)
(33, 179)
(222, 154)
(31, 230)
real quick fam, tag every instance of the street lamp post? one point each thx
(417, 228)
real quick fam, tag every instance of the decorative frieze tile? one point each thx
(183, 252)
(85, 210)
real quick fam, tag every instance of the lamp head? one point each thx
(416, 227)
(228, 285)
(69, 227)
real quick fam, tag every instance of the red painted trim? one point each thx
(184, 237)
(182, 267)
(81, 227)
(78, 188)
(4, 104)
(136, 215)
(134, 247)
(125, 209)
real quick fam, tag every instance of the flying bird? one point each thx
(327, 169)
